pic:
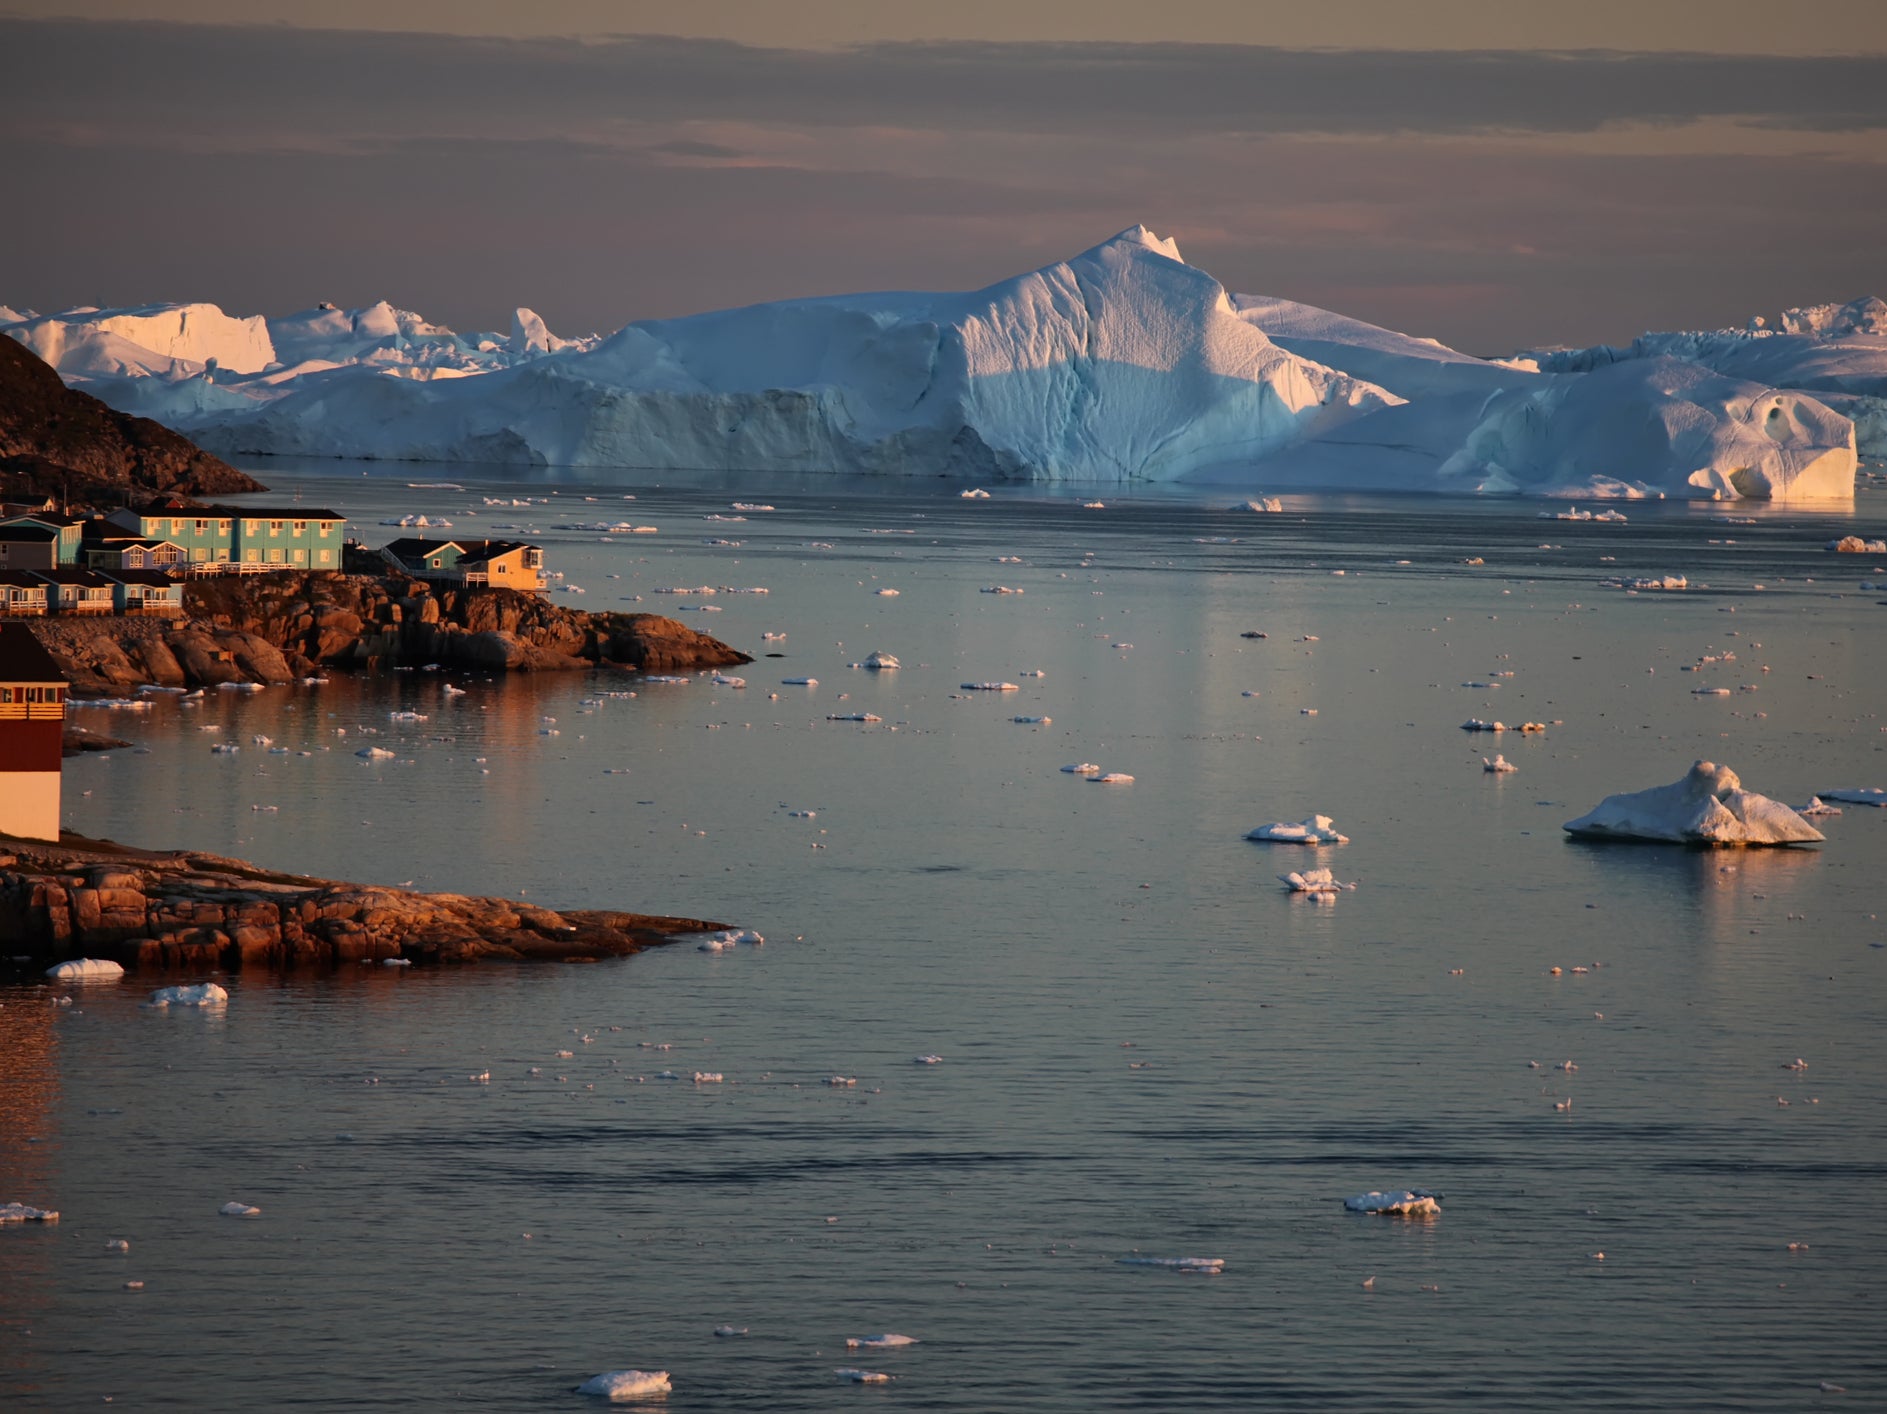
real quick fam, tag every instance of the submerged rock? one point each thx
(1708, 806)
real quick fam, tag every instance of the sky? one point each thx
(1496, 175)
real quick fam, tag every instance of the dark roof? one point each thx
(22, 579)
(491, 549)
(411, 547)
(28, 534)
(137, 576)
(23, 658)
(49, 518)
(69, 574)
(276, 513)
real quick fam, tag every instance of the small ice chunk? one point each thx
(886, 593)
(878, 1342)
(1082, 768)
(626, 1384)
(1033, 721)
(21, 1213)
(799, 682)
(730, 1332)
(1205, 1266)
(863, 1377)
(882, 662)
(1817, 806)
(1476, 724)
(990, 687)
(1313, 881)
(1316, 829)
(1397, 1203)
(85, 969)
(927, 1060)
(1499, 765)
(1113, 778)
(370, 753)
(205, 994)
(239, 1210)
(708, 1077)
(975, 493)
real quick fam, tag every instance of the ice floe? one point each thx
(1856, 545)
(1316, 829)
(21, 1213)
(1857, 795)
(878, 1342)
(1708, 806)
(234, 1209)
(85, 969)
(204, 994)
(1399, 1203)
(1082, 768)
(1199, 1266)
(626, 1384)
(990, 687)
(863, 1377)
(1113, 778)
(882, 662)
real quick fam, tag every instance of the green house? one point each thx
(242, 538)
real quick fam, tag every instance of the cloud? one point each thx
(259, 78)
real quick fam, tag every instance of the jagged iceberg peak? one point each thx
(1707, 806)
(1866, 315)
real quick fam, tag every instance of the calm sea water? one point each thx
(1148, 1047)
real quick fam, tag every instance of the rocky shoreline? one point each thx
(278, 628)
(189, 911)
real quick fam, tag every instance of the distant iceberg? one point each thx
(1318, 829)
(1123, 363)
(1708, 806)
(1397, 1202)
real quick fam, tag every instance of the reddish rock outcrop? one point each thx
(151, 911)
(273, 628)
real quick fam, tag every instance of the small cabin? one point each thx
(77, 591)
(32, 735)
(22, 593)
(126, 553)
(499, 564)
(144, 592)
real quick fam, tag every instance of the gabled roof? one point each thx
(52, 518)
(69, 574)
(411, 547)
(28, 534)
(23, 658)
(146, 577)
(479, 551)
(118, 545)
(23, 579)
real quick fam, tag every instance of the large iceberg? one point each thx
(1123, 363)
(1708, 806)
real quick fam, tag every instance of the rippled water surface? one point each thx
(1147, 1046)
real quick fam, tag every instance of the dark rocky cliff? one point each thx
(278, 627)
(56, 441)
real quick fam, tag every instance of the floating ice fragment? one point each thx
(990, 687)
(1476, 724)
(1399, 1203)
(853, 717)
(239, 1210)
(1113, 778)
(708, 1077)
(626, 1384)
(1857, 795)
(842, 1081)
(799, 682)
(886, 593)
(21, 1213)
(1261, 504)
(1499, 765)
(1083, 768)
(1316, 829)
(750, 506)
(85, 969)
(975, 493)
(1200, 1266)
(204, 994)
(927, 1060)
(882, 662)
(370, 753)
(1313, 881)
(729, 1332)
(1855, 545)
(1817, 806)
(863, 1377)
(878, 1342)
(999, 589)
(1669, 581)
(725, 680)
(1033, 721)
(1708, 806)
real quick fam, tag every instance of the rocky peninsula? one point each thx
(277, 628)
(195, 912)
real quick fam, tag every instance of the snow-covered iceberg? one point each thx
(1397, 1203)
(1708, 806)
(1318, 829)
(85, 969)
(626, 1384)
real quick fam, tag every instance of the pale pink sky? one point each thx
(1490, 174)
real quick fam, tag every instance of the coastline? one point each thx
(186, 910)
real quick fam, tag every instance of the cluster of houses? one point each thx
(134, 561)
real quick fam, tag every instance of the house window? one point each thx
(534, 559)
(252, 556)
(222, 555)
(275, 556)
(300, 557)
(249, 527)
(502, 568)
(203, 527)
(222, 527)
(301, 527)
(325, 529)
(275, 528)
(199, 554)
(436, 563)
(326, 555)
(176, 527)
